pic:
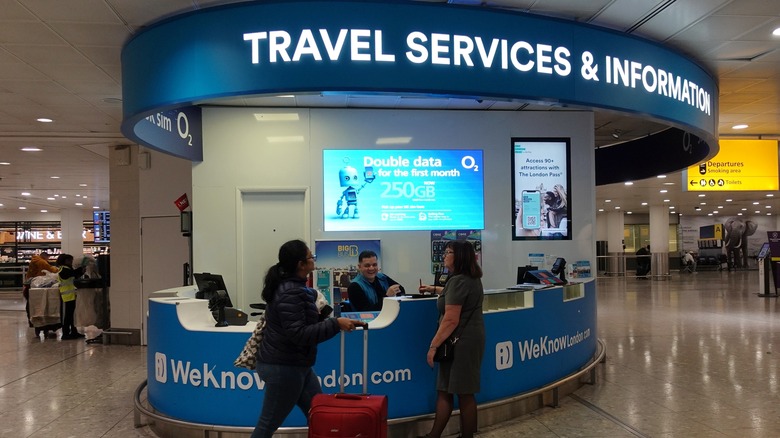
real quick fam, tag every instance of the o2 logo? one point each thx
(504, 358)
(160, 368)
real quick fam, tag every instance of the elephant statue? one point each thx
(736, 241)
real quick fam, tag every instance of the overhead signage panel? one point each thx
(269, 48)
(740, 165)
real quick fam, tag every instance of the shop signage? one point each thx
(272, 48)
(739, 165)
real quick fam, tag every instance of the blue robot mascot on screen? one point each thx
(348, 177)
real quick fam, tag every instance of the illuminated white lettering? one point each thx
(306, 46)
(357, 44)
(278, 43)
(417, 52)
(462, 49)
(334, 50)
(438, 49)
(516, 62)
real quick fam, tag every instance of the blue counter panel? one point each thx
(192, 377)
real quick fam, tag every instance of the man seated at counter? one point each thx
(370, 287)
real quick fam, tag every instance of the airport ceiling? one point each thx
(61, 60)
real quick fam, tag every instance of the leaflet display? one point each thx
(380, 190)
(541, 184)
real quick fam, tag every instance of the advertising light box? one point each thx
(375, 190)
(740, 165)
(540, 189)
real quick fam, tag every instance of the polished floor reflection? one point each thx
(690, 357)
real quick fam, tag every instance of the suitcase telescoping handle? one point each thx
(365, 361)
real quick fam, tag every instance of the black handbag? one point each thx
(446, 351)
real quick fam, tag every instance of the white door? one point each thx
(268, 219)
(163, 253)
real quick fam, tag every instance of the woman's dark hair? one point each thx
(64, 260)
(290, 254)
(465, 259)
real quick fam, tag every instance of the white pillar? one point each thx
(659, 241)
(72, 222)
(615, 225)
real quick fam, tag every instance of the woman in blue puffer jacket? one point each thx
(293, 329)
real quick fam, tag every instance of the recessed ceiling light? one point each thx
(728, 200)
(617, 207)
(56, 195)
(744, 209)
(758, 211)
(393, 140)
(82, 185)
(84, 197)
(702, 203)
(44, 120)
(741, 126)
(667, 200)
(702, 195)
(739, 214)
(50, 199)
(755, 203)
(671, 207)
(607, 200)
(600, 209)
(629, 212)
(668, 183)
(276, 117)
(709, 214)
(663, 190)
(31, 149)
(767, 206)
(4, 163)
(63, 197)
(720, 206)
(95, 207)
(769, 195)
(776, 32)
(25, 193)
(44, 211)
(644, 203)
(54, 177)
(661, 176)
(79, 204)
(629, 183)
(22, 208)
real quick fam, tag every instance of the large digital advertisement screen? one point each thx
(541, 189)
(377, 190)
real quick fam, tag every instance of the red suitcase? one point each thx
(349, 415)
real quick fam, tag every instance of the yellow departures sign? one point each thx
(740, 165)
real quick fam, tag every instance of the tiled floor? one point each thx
(690, 357)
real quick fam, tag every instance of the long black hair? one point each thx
(290, 254)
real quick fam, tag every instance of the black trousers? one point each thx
(68, 327)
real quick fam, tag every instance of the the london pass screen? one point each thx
(372, 190)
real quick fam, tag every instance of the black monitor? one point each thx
(521, 270)
(558, 266)
(208, 285)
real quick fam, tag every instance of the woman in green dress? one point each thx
(460, 312)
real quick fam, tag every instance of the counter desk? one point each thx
(533, 339)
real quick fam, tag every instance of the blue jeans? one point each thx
(285, 387)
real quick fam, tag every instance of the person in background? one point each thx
(39, 264)
(293, 329)
(460, 312)
(643, 262)
(689, 262)
(67, 276)
(370, 287)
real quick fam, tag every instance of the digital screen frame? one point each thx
(403, 190)
(541, 188)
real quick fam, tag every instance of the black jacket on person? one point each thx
(293, 328)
